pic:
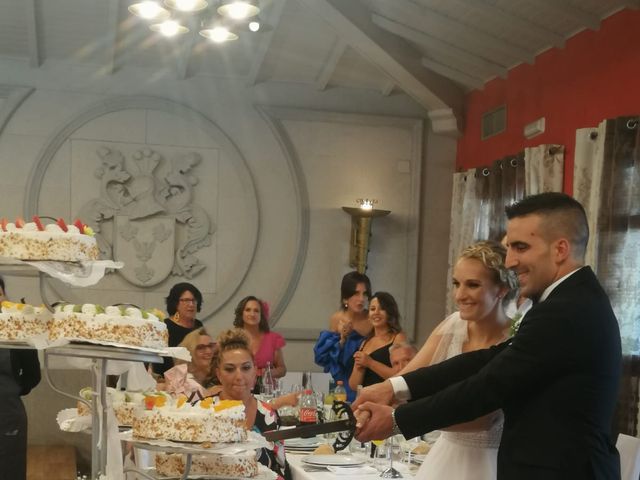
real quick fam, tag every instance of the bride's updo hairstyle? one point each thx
(492, 255)
(233, 339)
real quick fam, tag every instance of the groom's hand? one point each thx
(374, 422)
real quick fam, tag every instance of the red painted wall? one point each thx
(594, 77)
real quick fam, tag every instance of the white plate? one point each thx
(303, 442)
(336, 460)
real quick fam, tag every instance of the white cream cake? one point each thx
(182, 422)
(19, 321)
(125, 325)
(124, 403)
(243, 465)
(55, 241)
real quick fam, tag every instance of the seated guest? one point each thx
(400, 355)
(347, 328)
(183, 303)
(252, 315)
(197, 375)
(371, 362)
(236, 369)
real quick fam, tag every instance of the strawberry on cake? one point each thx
(55, 241)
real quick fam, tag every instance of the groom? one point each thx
(556, 380)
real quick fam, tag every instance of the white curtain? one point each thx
(464, 211)
(587, 175)
(543, 169)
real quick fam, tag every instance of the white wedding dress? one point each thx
(461, 455)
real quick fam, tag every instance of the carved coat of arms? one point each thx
(156, 227)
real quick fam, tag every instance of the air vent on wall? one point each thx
(494, 122)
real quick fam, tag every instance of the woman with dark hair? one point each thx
(183, 303)
(236, 370)
(347, 328)
(19, 373)
(252, 315)
(371, 362)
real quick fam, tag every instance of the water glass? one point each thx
(360, 450)
(381, 455)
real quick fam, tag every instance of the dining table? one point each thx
(301, 470)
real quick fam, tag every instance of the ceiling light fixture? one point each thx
(231, 16)
(238, 9)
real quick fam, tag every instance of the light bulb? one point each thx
(254, 26)
(169, 28)
(149, 10)
(219, 34)
(238, 9)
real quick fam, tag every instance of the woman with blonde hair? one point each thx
(198, 374)
(481, 281)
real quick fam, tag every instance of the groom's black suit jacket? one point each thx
(556, 381)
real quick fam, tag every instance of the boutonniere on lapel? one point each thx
(515, 323)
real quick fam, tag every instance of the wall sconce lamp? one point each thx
(361, 218)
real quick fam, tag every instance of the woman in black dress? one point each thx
(371, 362)
(183, 303)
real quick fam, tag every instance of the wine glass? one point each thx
(390, 472)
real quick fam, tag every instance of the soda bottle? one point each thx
(308, 408)
(340, 394)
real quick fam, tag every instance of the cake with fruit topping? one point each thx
(242, 465)
(56, 241)
(114, 324)
(19, 321)
(203, 421)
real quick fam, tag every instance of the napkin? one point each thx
(363, 470)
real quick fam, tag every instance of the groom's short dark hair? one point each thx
(563, 216)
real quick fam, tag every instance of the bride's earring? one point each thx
(176, 317)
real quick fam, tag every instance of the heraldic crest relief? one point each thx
(156, 229)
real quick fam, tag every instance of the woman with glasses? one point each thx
(197, 375)
(183, 303)
(252, 315)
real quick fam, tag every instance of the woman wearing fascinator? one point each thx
(252, 315)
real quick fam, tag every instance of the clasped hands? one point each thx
(373, 412)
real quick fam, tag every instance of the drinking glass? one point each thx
(389, 472)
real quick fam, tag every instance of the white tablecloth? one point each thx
(298, 472)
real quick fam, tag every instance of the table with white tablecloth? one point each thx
(302, 471)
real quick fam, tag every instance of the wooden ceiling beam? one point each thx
(399, 60)
(503, 16)
(459, 57)
(456, 75)
(431, 22)
(339, 47)
(272, 19)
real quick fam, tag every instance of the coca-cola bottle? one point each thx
(308, 410)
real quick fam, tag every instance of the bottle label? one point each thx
(307, 415)
(340, 397)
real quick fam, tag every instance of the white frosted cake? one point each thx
(56, 241)
(124, 403)
(242, 465)
(125, 325)
(19, 321)
(183, 422)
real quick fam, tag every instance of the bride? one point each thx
(469, 451)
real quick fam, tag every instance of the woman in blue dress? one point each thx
(347, 329)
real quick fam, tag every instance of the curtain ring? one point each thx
(486, 172)
(514, 162)
(632, 124)
(593, 135)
